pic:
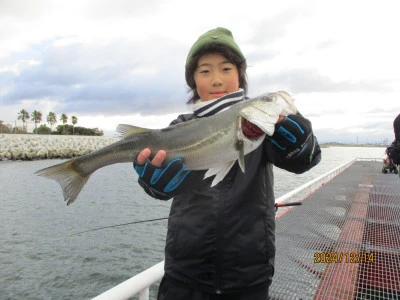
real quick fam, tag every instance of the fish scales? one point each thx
(213, 143)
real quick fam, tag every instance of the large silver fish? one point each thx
(213, 143)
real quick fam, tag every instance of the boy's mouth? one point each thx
(218, 94)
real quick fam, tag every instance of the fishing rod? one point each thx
(277, 205)
(111, 226)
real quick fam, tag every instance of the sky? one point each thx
(120, 61)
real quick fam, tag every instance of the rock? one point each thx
(30, 146)
(42, 154)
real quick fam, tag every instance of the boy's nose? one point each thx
(216, 80)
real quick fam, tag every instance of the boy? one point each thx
(221, 240)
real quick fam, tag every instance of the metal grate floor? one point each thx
(344, 241)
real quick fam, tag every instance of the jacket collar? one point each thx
(209, 108)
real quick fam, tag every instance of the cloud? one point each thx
(103, 61)
(109, 78)
(310, 80)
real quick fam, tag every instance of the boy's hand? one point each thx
(291, 135)
(145, 154)
(159, 181)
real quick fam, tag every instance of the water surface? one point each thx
(40, 260)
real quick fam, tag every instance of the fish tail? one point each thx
(70, 180)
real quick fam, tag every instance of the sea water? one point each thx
(41, 258)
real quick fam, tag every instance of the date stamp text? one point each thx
(345, 257)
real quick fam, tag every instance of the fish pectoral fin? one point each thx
(219, 172)
(127, 130)
(240, 149)
(241, 156)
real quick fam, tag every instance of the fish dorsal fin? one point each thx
(180, 125)
(127, 130)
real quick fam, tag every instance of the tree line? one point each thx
(51, 118)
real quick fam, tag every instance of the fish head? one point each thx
(264, 111)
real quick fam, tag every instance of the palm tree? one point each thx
(51, 119)
(37, 118)
(23, 115)
(74, 120)
(64, 119)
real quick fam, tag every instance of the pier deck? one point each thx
(344, 241)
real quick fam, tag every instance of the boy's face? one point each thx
(215, 77)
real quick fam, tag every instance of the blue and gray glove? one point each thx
(161, 182)
(292, 137)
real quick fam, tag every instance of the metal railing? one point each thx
(306, 189)
(137, 285)
(140, 284)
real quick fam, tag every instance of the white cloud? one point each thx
(106, 61)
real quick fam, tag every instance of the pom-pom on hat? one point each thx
(218, 35)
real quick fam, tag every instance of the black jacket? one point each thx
(222, 239)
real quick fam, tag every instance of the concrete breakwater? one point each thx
(33, 146)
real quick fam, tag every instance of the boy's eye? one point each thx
(227, 68)
(204, 71)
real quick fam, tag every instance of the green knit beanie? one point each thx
(218, 35)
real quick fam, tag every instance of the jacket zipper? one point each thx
(220, 231)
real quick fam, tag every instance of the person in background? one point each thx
(393, 151)
(221, 240)
(396, 128)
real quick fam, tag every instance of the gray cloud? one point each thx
(268, 30)
(265, 33)
(25, 10)
(325, 44)
(103, 9)
(109, 79)
(128, 77)
(131, 8)
(346, 136)
(310, 80)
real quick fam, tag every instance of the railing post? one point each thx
(144, 294)
(137, 284)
